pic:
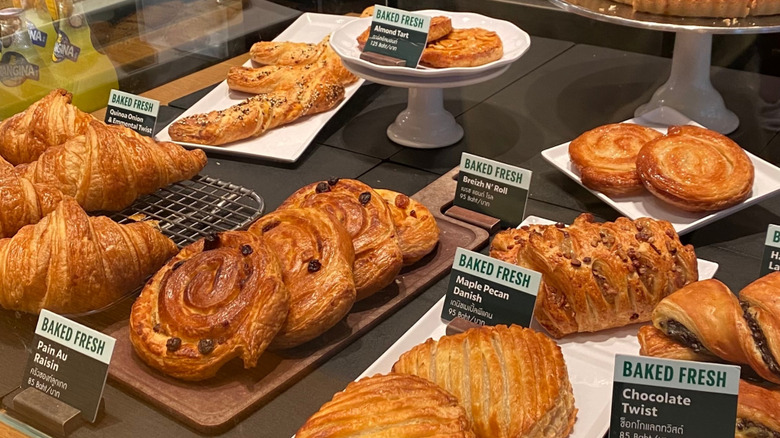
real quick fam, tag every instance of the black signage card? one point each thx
(398, 34)
(771, 260)
(493, 188)
(69, 362)
(487, 291)
(134, 112)
(663, 398)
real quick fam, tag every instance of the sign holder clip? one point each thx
(44, 412)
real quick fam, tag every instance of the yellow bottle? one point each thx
(24, 78)
(40, 27)
(90, 75)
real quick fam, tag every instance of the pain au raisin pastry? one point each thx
(695, 169)
(440, 27)
(415, 226)
(316, 255)
(605, 157)
(393, 405)
(521, 390)
(366, 217)
(707, 318)
(463, 48)
(219, 298)
(599, 275)
(758, 411)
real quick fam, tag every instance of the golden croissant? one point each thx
(23, 203)
(48, 122)
(109, 166)
(72, 263)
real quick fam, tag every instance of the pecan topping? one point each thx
(576, 263)
(560, 225)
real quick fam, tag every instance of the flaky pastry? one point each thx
(463, 48)
(415, 226)
(758, 411)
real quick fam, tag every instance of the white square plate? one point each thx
(590, 357)
(765, 184)
(288, 142)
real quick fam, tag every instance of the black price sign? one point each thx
(771, 260)
(69, 362)
(663, 398)
(487, 291)
(493, 188)
(398, 34)
(131, 111)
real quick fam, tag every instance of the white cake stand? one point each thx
(425, 123)
(688, 89)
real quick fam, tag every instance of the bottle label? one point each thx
(63, 49)
(37, 36)
(15, 69)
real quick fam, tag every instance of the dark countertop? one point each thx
(552, 94)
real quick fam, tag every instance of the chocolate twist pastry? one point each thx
(707, 318)
(597, 276)
(758, 411)
(366, 217)
(415, 226)
(393, 405)
(695, 169)
(512, 381)
(316, 255)
(219, 298)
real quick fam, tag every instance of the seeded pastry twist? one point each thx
(705, 321)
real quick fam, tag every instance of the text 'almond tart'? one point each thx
(389, 406)
(219, 298)
(512, 381)
(366, 217)
(316, 255)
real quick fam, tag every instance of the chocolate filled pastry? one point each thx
(368, 221)
(597, 276)
(463, 48)
(695, 169)
(512, 381)
(654, 343)
(605, 157)
(219, 298)
(393, 405)
(440, 27)
(415, 226)
(760, 302)
(316, 255)
(758, 411)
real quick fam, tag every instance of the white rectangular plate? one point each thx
(590, 358)
(765, 184)
(288, 142)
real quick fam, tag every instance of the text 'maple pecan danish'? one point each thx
(597, 276)
(368, 221)
(605, 157)
(512, 381)
(73, 263)
(219, 298)
(415, 226)
(463, 48)
(440, 27)
(695, 169)
(316, 256)
(389, 406)
(708, 319)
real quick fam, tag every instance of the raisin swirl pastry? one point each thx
(415, 226)
(219, 298)
(695, 169)
(316, 255)
(709, 319)
(366, 217)
(597, 276)
(393, 405)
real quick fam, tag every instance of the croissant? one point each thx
(365, 215)
(708, 319)
(512, 381)
(219, 298)
(23, 203)
(108, 167)
(416, 228)
(72, 263)
(48, 122)
(599, 275)
(392, 406)
(257, 114)
(316, 255)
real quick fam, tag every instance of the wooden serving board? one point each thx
(219, 403)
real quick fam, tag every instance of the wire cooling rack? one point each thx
(191, 209)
